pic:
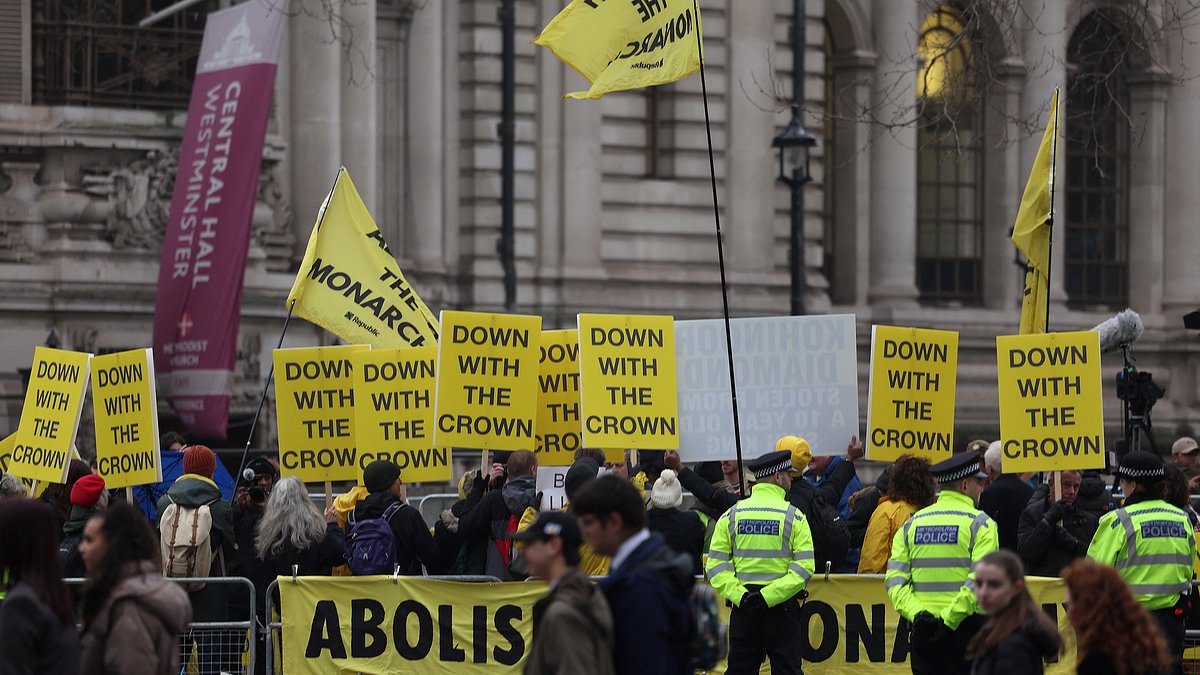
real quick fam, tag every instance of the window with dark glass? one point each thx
(949, 162)
(91, 52)
(1097, 171)
(660, 131)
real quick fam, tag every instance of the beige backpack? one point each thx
(185, 541)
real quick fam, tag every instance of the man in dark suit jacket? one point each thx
(648, 585)
(1005, 499)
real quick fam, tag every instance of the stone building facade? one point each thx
(905, 223)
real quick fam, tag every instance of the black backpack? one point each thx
(830, 532)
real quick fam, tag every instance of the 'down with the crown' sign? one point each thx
(394, 411)
(1051, 409)
(559, 425)
(487, 384)
(910, 409)
(627, 380)
(126, 416)
(50, 417)
(314, 402)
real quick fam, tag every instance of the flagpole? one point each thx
(286, 320)
(1053, 181)
(712, 172)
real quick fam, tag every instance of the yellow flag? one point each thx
(349, 283)
(625, 45)
(1031, 233)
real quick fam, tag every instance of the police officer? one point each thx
(1151, 544)
(760, 559)
(931, 578)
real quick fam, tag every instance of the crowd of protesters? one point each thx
(625, 522)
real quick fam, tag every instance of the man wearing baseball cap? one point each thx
(1185, 454)
(572, 625)
(931, 575)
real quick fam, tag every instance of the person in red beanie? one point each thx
(194, 489)
(88, 497)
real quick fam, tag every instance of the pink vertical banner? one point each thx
(197, 311)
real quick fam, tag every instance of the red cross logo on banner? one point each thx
(185, 325)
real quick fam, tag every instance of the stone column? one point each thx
(1181, 271)
(548, 210)
(1004, 181)
(359, 86)
(427, 119)
(315, 134)
(893, 156)
(752, 164)
(582, 205)
(1045, 49)
(1148, 108)
(854, 79)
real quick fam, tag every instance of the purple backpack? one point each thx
(371, 546)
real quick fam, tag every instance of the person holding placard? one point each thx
(414, 543)
(1152, 546)
(1054, 532)
(493, 516)
(931, 576)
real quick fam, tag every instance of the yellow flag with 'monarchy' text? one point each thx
(625, 45)
(1031, 233)
(349, 283)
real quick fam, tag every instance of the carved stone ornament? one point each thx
(139, 196)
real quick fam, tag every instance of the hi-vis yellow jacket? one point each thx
(765, 541)
(933, 559)
(1152, 545)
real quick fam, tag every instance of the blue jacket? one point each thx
(833, 477)
(650, 600)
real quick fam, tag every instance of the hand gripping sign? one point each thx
(1051, 408)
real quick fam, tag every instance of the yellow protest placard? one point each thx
(625, 45)
(6, 448)
(393, 412)
(314, 404)
(910, 409)
(487, 387)
(126, 416)
(559, 429)
(627, 380)
(1051, 408)
(50, 416)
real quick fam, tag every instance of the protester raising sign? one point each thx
(559, 427)
(314, 402)
(393, 412)
(349, 283)
(627, 381)
(1051, 408)
(487, 381)
(126, 416)
(50, 416)
(910, 408)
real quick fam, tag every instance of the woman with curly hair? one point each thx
(132, 616)
(1018, 636)
(910, 489)
(1114, 633)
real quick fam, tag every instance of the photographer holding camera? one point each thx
(249, 502)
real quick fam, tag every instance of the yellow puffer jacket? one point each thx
(887, 520)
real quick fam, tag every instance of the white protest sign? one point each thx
(552, 484)
(796, 375)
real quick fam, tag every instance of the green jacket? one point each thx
(932, 568)
(762, 540)
(1152, 545)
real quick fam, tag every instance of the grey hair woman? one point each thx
(292, 526)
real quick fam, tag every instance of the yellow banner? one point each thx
(374, 625)
(559, 429)
(126, 416)
(349, 283)
(50, 417)
(627, 379)
(487, 387)
(394, 411)
(1051, 408)
(625, 45)
(910, 409)
(1031, 231)
(314, 407)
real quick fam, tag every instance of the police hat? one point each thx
(1142, 467)
(958, 467)
(770, 464)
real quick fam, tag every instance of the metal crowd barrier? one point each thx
(274, 632)
(211, 647)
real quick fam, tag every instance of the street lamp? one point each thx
(795, 146)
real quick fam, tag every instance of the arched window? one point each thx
(949, 162)
(1097, 172)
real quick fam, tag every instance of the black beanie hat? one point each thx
(584, 470)
(379, 475)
